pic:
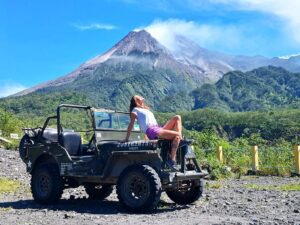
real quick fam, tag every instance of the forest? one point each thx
(275, 132)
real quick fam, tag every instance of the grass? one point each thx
(213, 185)
(283, 187)
(8, 185)
(6, 209)
(290, 187)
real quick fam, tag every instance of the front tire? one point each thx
(187, 194)
(139, 188)
(98, 192)
(46, 183)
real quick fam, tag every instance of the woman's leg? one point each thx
(174, 124)
(175, 136)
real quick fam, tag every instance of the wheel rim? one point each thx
(44, 185)
(136, 189)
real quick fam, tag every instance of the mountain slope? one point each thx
(217, 63)
(136, 51)
(262, 88)
(139, 64)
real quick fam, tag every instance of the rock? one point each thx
(296, 211)
(45, 211)
(67, 216)
(72, 197)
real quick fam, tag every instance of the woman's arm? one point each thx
(130, 125)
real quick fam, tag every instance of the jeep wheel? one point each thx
(98, 192)
(22, 147)
(46, 183)
(188, 193)
(139, 188)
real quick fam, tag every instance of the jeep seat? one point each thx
(72, 142)
(50, 134)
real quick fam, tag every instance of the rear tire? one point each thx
(46, 183)
(139, 188)
(188, 194)
(98, 192)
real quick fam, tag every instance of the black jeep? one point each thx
(81, 145)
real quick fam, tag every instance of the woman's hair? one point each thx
(132, 104)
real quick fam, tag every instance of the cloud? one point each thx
(289, 56)
(9, 88)
(205, 35)
(287, 10)
(95, 26)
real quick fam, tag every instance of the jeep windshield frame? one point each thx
(110, 130)
(117, 120)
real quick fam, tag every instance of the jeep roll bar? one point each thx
(67, 106)
(46, 123)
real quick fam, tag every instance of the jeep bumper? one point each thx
(171, 180)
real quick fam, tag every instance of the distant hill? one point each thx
(259, 89)
(139, 64)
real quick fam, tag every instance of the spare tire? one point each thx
(25, 141)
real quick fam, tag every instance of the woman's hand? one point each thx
(130, 126)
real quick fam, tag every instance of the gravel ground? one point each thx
(225, 202)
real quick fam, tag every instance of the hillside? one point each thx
(139, 64)
(259, 89)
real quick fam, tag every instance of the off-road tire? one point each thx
(22, 146)
(139, 188)
(98, 192)
(46, 183)
(186, 196)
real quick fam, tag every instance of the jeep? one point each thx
(82, 145)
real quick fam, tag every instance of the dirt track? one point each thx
(225, 202)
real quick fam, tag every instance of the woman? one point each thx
(172, 130)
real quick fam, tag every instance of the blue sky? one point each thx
(42, 40)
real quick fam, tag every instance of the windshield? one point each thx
(114, 121)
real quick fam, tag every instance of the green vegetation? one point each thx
(283, 187)
(271, 125)
(264, 88)
(35, 106)
(276, 159)
(111, 85)
(216, 185)
(9, 123)
(275, 132)
(8, 185)
(6, 209)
